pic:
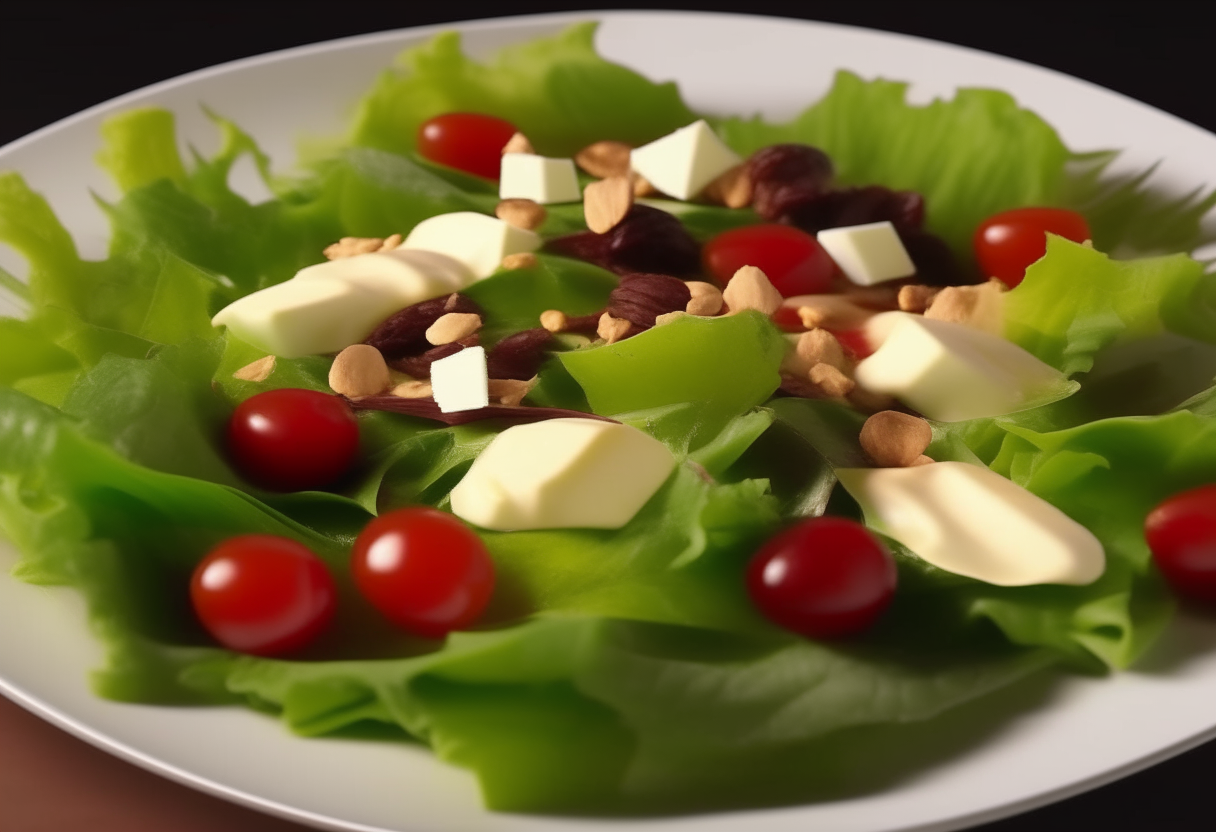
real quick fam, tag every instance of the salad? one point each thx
(622, 671)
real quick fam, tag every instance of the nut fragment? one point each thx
(895, 440)
(612, 329)
(350, 246)
(706, 299)
(750, 288)
(520, 260)
(980, 307)
(732, 189)
(453, 326)
(604, 159)
(359, 370)
(830, 311)
(916, 298)
(391, 242)
(412, 389)
(668, 317)
(518, 144)
(605, 203)
(553, 320)
(922, 460)
(642, 186)
(521, 213)
(831, 381)
(815, 346)
(510, 391)
(640, 298)
(259, 370)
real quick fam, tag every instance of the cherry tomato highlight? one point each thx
(793, 260)
(1181, 533)
(293, 439)
(1007, 243)
(826, 577)
(263, 594)
(470, 142)
(425, 570)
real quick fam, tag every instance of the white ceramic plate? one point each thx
(776, 67)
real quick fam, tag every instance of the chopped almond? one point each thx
(732, 189)
(391, 242)
(642, 186)
(915, 298)
(553, 320)
(816, 346)
(518, 144)
(831, 381)
(350, 246)
(259, 370)
(358, 371)
(453, 326)
(750, 288)
(831, 311)
(412, 389)
(980, 307)
(668, 317)
(521, 260)
(521, 213)
(612, 329)
(605, 203)
(509, 391)
(604, 159)
(895, 440)
(706, 299)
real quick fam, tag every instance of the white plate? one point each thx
(776, 67)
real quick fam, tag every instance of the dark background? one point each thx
(59, 57)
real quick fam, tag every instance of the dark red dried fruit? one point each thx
(935, 263)
(519, 356)
(640, 298)
(404, 332)
(647, 240)
(857, 206)
(428, 409)
(787, 176)
(419, 366)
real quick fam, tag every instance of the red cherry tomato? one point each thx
(1005, 244)
(263, 594)
(1181, 533)
(792, 260)
(471, 142)
(425, 570)
(293, 439)
(826, 577)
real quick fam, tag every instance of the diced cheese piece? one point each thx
(477, 241)
(329, 306)
(869, 253)
(538, 178)
(562, 473)
(950, 372)
(297, 318)
(682, 163)
(460, 381)
(971, 521)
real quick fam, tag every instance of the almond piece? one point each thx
(509, 391)
(732, 189)
(815, 346)
(391, 242)
(750, 288)
(979, 307)
(518, 144)
(453, 326)
(706, 299)
(259, 370)
(612, 329)
(521, 260)
(553, 320)
(350, 246)
(358, 371)
(922, 460)
(831, 381)
(642, 186)
(521, 213)
(915, 298)
(895, 440)
(605, 203)
(412, 389)
(668, 317)
(831, 311)
(604, 159)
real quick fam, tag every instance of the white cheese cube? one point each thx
(682, 163)
(329, 306)
(950, 372)
(460, 381)
(560, 474)
(869, 253)
(538, 178)
(477, 241)
(971, 521)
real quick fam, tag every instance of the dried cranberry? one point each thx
(640, 298)
(404, 332)
(520, 355)
(646, 240)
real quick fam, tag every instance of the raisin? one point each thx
(520, 355)
(640, 298)
(404, 332)
(935, 263)
(646, 240)
(786, 176)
